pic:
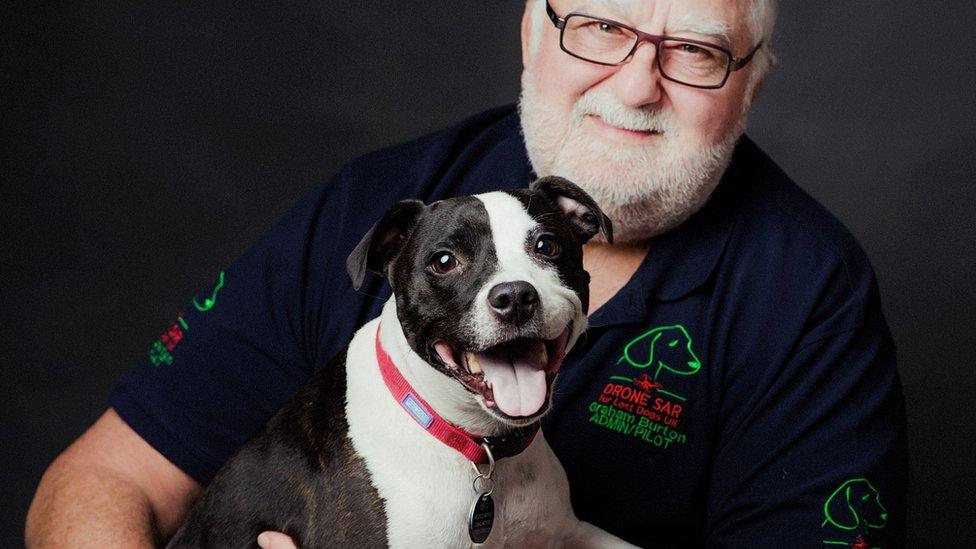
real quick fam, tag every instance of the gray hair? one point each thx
(762, 19)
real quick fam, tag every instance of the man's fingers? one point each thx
(275, 540)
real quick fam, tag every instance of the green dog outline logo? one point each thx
(669, 349)
(854, 504)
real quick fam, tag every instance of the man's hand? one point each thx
(275, 540)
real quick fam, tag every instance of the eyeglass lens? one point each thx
(603, 42)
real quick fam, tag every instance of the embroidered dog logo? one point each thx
(854, 506)
(666, 348)
(637, 404)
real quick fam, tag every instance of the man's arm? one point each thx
(813, 452)
(110, 488)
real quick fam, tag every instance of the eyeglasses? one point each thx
(682, 60)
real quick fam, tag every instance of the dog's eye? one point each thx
(547, 246)
(443, 263)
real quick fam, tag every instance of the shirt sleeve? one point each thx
(817, 456)
(242, 345)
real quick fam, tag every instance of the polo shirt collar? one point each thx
(683, 259)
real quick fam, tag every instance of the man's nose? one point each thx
(638, 81)
(513, 302)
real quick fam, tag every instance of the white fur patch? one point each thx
(558, 305)
(426, 486)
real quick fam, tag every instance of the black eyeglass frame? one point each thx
(733, 64)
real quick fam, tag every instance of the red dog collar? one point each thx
(468, 444)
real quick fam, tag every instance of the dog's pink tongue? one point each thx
(518, 383)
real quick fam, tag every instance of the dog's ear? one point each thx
(840, 508)
(381, 244)
(586, 217)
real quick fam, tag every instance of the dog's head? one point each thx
(665, 348)
(855, 504)
(490, 289)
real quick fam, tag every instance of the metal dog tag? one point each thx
(481, 518)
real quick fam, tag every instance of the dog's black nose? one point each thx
(513, 302)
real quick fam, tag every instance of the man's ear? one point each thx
(381, 244)
(770, 62)
(584, 215)
(757, 87)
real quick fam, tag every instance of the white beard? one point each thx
(646, 190)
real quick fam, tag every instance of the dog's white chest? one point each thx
(427, 487)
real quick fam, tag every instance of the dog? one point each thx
(424, 432)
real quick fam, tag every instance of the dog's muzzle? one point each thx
(513, 377)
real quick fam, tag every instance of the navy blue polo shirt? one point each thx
(739, 391)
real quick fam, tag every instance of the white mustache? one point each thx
(613, 113)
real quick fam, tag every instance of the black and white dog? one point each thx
(395, 442)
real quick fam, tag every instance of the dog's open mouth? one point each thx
(513, 377)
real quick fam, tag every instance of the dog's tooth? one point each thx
(473, 365)
(543, 356)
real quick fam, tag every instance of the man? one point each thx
(737, 387)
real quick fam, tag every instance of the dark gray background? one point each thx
(147, 144)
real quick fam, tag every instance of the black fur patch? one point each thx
(430, 305)
(300, 476)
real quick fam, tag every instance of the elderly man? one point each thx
(737, 386)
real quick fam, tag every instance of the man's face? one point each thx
(648, 149)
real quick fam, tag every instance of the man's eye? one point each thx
(608, 28)
(692, 49)
(443, 263)
(547, 246)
